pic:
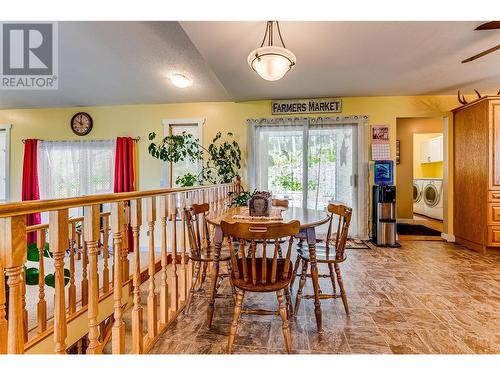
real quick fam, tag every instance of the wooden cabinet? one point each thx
(432, 150)
(476, 192)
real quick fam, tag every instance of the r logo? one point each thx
(27, 49)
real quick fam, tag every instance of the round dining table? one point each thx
(309, 220)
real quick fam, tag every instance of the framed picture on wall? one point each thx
(397, 151)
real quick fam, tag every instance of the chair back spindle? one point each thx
(258, 266)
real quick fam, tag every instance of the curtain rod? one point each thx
(137, 139)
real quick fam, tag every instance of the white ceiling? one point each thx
(108, 63)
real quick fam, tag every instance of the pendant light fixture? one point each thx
(271, 62)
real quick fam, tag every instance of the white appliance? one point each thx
(418, 201)
(432, 197)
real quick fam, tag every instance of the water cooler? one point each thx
(384, 216)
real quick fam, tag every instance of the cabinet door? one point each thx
(425, 156)
(494, 125)
(436, 149)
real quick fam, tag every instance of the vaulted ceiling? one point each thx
(110, 63)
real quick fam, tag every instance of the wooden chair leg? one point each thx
(194, 281)
(203, 272)
(295, 269)
(284, 327)
(342, 289)
(301, 286)
(240, 294)
(288, 298)
(213, 292)
(230, 271)
(332, 277)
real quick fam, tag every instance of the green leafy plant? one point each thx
(33, 274)
(221, 161)
(188, 179)
(241, 199)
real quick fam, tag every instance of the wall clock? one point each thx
(81, 123)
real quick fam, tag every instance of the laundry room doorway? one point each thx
(420, 170)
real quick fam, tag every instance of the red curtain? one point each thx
(30, 182)
(124, 172)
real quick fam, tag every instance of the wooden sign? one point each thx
(298, 106)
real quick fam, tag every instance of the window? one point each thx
(177, 127)
(311, 163)
(75, 168)
(4, 162)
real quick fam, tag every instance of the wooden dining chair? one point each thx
(255, 268)
(202, 250)
(331, 252)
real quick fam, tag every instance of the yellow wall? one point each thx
(139, 120)
(425, 170)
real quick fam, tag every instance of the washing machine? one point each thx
(432, 196)
(418, 202)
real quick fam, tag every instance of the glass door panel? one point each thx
(282, 163)
(330, 166)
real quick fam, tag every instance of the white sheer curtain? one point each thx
(312, 161)
(75, 168)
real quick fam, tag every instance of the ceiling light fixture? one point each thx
(179, 80)
(271, 62)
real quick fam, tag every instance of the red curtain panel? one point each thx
(30, 182)
(124, 172)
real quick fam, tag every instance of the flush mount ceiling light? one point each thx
(179, 80)
(271, 62)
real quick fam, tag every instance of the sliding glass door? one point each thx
(308, 165)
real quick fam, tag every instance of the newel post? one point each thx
(59, 243)
(118, 330)
(91, 233)
(137, 311)
(12, 258)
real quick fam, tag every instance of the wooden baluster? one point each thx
(164, 261)
(25, 311)
(137, 319)
(42, 304)
(91, 234)
(78, 245)
(3, 320)
(13, 257)
(118, 330)
(105, 253)
(58, 242)
(85, 282)
(152, 297)
(173, 217)
(125, 244)
(72, 286)
(183, 290)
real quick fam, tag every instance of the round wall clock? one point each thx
(81, 123)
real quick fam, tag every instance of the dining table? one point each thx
(309, 220)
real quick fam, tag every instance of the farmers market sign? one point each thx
(295, 106)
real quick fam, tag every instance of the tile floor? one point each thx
(425, 297)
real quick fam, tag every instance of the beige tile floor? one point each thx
(425, 297)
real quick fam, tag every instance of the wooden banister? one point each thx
(29, 207)
(85, 324)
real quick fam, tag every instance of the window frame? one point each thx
(167, 126)
(6, 128)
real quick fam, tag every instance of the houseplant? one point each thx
(221, 161)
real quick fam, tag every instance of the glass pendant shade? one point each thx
(271, 62)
